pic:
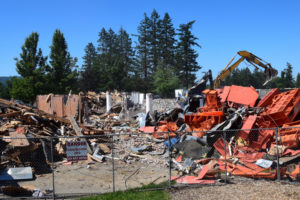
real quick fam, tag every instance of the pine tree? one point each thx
(143, 51)
(4, 91)
(62, 74)
(31, 68)
(127, 60)
(88, 79)
(165, 81)
(154, 34)
(167, 41)
(298, 80)
(186, 56)
(289, 81)
(108, 62)
(257, 79)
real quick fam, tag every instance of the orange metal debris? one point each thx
(284, 108)
(191, 180)
(247, 125)
(267, 100)
(242, 96)
(162, 130)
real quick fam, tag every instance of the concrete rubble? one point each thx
(233, 130)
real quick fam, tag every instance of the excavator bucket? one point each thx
(270, 73)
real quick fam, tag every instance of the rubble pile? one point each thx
(25, 131)
(234, 131)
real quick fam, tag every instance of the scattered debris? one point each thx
(203, 144)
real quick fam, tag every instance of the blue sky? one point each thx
(269, 29)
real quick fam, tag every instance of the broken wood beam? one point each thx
(11, 114)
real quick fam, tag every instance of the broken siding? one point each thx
(59, 105)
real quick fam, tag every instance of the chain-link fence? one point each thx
(117, 162)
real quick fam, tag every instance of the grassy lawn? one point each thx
(135, 194)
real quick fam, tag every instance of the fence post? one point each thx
(277, 155)
(113, 162)
(52, 168)
(170, 161)
(224, 140)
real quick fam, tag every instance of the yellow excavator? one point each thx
(257, 62)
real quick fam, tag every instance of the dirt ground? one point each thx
(239, 189)
(81, 178)
(97, 178)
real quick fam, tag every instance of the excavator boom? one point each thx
(257, 62)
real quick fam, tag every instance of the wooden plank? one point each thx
(18, 142)
(11, 114)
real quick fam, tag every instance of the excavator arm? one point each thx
(257, 62)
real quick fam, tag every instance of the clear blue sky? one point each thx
(269, 29)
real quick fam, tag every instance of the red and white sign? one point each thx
(76, 150)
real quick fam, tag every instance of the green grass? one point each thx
(135, 194)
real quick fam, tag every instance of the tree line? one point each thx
(159, 59)
(245, 77)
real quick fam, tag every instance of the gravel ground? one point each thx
(163, 105)
(241, 189)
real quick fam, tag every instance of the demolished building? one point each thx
(235, 131)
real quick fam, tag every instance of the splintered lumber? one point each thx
(79, 133)
(16, 139)
(11, 114)
(94, 158)
(20, 107)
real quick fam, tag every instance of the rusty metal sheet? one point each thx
(248, 124)
(243, 95)
(224, 94)
(267, 100)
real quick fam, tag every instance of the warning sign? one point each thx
(76, 150)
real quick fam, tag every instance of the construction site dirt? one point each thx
(97, 178)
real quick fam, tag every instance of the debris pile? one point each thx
(234, 131)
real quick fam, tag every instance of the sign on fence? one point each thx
(76, 150)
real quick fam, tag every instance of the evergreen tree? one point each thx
(31, 67)
(126, 60)
(4, 91)
(298, 80)
(186, 56)
(62, 74)
(143, 51)
(289, 81)
(154, 34)
(285, 80)
(165, 80)
(88, 79)
(257, 79)
(167, 41)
